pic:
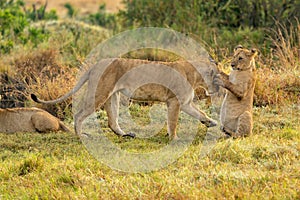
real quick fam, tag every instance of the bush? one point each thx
(179, 15)
(38, 72)
(73, 39)
(285, 48)
(276, 88)
(104, 19)
(221, 24)
(40, 13)
(189, 15)
(11, 92)
(14, 23)
(44, 75)
(72, 12)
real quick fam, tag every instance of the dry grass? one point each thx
(277, 88)
(286, 53)
(40, 72)
(279, 74)
(48, 81)
(57, 166)
(50, 69)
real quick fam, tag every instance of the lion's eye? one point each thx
(240, 58)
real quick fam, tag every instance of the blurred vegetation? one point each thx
(219, 23)
(42, 54)
(190, 15)
(72, 12)
(15, 22)
(104, 19)
(222, 23)
(270, 26)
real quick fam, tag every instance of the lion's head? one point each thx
(243, 58)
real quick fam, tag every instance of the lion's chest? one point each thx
(232, 106)
(239, 77)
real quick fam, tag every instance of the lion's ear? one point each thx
(238, 47)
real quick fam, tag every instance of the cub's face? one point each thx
(243, 58)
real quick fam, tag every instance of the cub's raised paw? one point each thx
(218, 80)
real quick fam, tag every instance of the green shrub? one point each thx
(190, 14)
(40, 13)
(180, 15)
(72, 12)
(104, 19)
(6, 46)
(221, 24)
(15, 21)
(12, 20)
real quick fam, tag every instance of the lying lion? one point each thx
(175, 84)
(236, 110)
(14, 120)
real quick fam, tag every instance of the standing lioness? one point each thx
(170, 82)
(236, 110)
(14, 120)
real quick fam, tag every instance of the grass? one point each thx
(57, 166)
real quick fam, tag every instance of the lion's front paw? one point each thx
(130, 134)
(210, 123)
(218, 80)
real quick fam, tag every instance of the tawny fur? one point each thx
(104, 86)
(14, 120)
(236, 111)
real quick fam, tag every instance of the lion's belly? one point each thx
(150, 92)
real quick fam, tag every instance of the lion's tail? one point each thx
(80, 83)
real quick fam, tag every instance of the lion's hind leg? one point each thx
(111, 107)
(244, 125)
(173, 113)
(80, 117)
(44, 122)
(227, 131)
(96, 95)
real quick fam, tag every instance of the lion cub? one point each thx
(14, 120)
(236, 110)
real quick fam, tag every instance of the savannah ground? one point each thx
(58, 166)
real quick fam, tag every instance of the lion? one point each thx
(143, 80)
(236, 110)
(14, 120)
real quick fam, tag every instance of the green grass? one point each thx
(57, 166)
